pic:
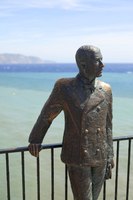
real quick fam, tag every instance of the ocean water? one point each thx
(22, 95)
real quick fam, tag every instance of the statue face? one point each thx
(92, 66)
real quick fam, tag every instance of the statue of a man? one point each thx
(87, 147)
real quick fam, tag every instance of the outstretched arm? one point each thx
(51, 109)
(110, 153)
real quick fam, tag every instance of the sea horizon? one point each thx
(62, 67)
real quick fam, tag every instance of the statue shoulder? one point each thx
(106, 87)
(64, 82)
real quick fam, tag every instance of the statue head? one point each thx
(89, 61)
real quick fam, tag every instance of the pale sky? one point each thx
(55, 29)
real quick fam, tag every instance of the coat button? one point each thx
(85, 153)
(86, 131)
(97, 150)
(98, 108)
(98, 130)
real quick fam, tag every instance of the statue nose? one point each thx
(101, 64)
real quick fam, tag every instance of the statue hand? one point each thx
(110, 165)
(111, 162)
(34, 149)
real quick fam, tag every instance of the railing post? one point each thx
(52, 174)
(38, 178)
(8, 176)
(104, 190)
(66, 183)
(23, 174)
(128, 168)
(117, 166)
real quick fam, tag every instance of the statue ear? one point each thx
(83, 68)
(83, 65)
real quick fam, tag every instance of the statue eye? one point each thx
(98, 60)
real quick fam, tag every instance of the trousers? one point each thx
(86, 182)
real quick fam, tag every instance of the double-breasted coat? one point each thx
(87, 136)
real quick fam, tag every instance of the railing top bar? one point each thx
(20, 149)
(123, 138)
(13, 150)
(49, 146)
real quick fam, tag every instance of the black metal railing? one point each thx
(123, 169)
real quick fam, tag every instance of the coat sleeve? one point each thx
(109, 126)
(50, 110)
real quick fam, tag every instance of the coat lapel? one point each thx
(94, 100)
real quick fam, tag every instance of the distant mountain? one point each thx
(7, 58)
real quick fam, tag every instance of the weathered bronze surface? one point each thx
(87, 143)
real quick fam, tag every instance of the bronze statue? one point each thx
(87, 147)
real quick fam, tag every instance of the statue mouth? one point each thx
(99, 73)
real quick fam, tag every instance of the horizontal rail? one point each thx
(123, 138)
(58, 145)
(19, 149)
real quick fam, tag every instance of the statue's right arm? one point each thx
(50, 110)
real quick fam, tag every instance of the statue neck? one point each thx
(85, 80)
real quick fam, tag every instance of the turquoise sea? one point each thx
(22, 95)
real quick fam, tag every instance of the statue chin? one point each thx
(99, 74)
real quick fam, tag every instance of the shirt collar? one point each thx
(85, 81)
